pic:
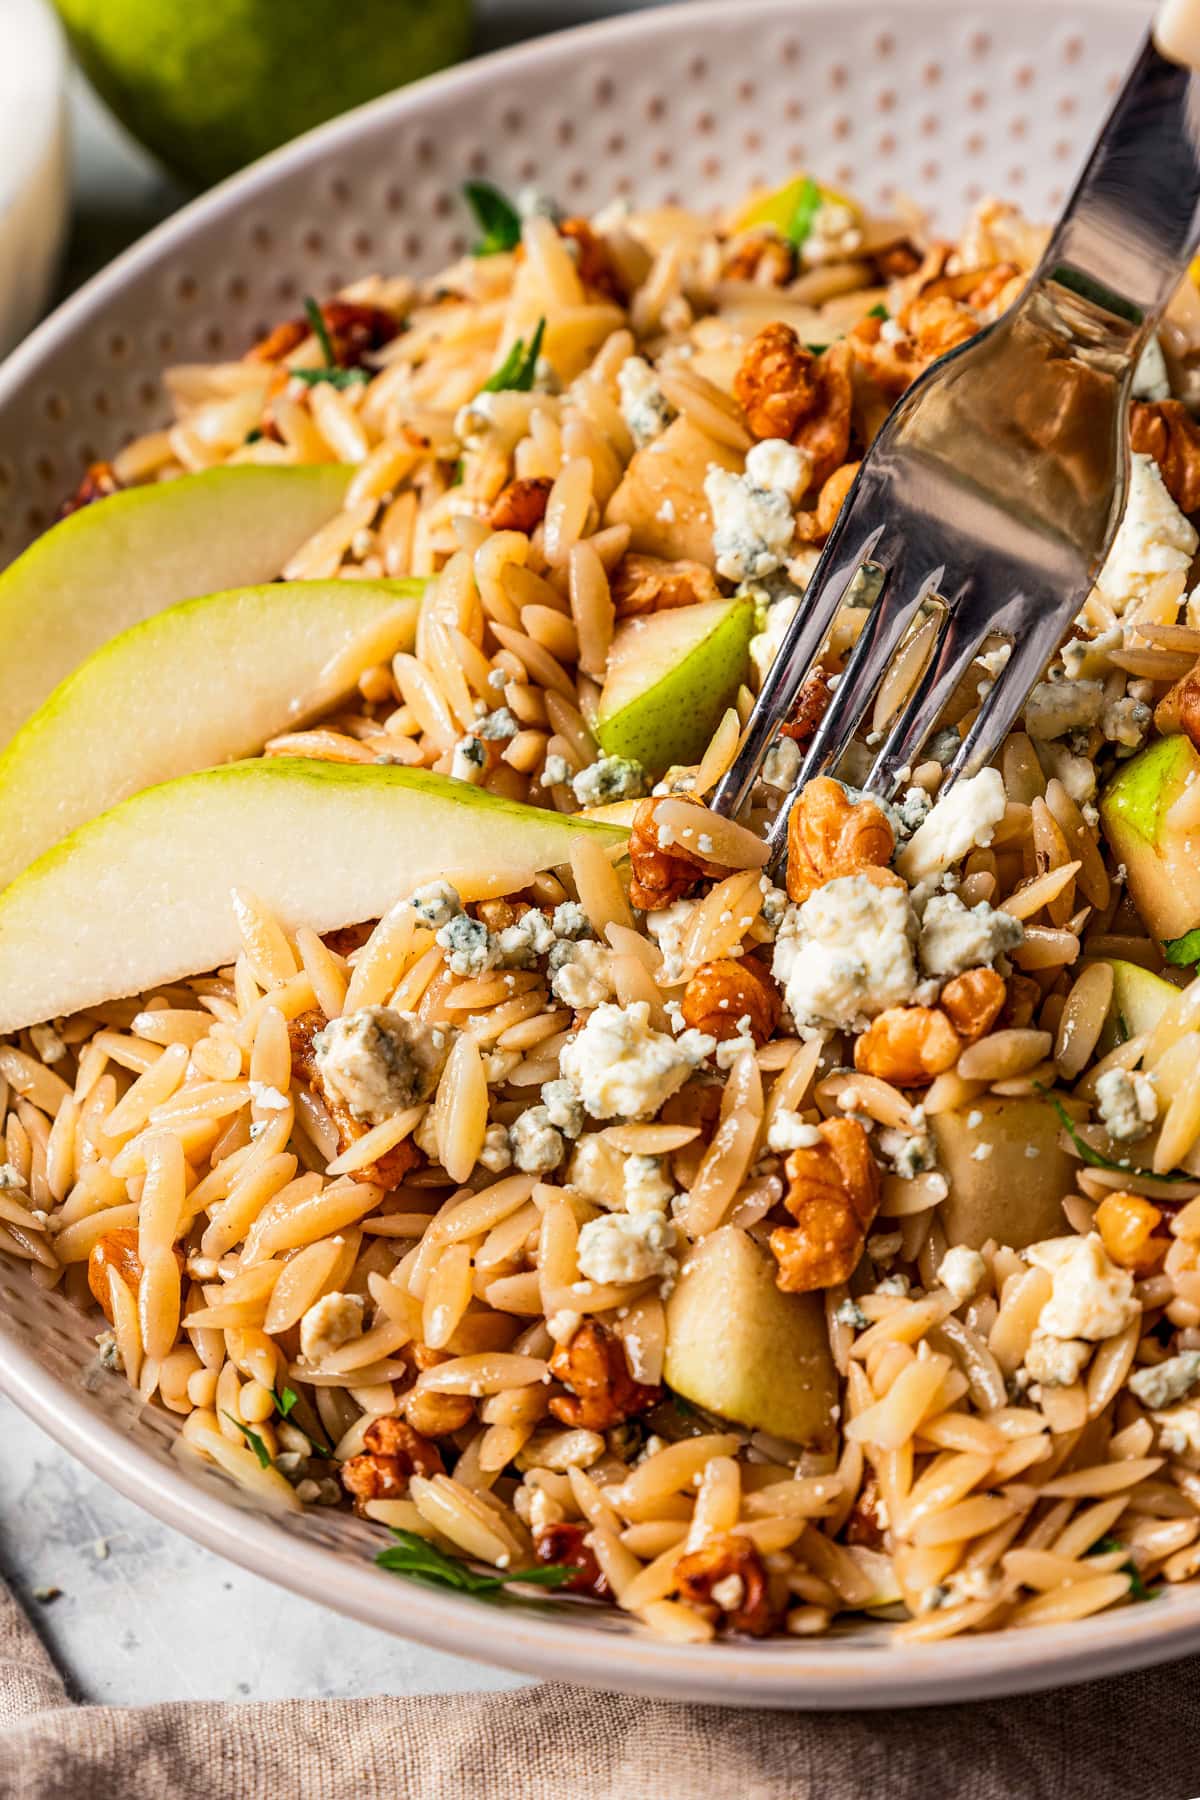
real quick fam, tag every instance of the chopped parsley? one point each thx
(320, 330)
(254, 1441)
(338, 378)
(816, 349)
(1138, 1589)
(517, 371)
(1182, 952)
(422, 1561)
(1095, 1159)
(498, 220)
(808, 205)
(879, 311)
(285, 1399)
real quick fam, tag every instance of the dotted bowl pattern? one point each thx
(943, 103)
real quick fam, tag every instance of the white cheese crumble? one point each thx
(1179, 1430)
(1150, 380)
(625, 1247)
(833, 235)
(622, 1068)
(669, 927)
(1055, 1361)
(788, 1131)
(332, 1321)
(1154, 539)
(378, 1061)
(436, 904)
(962, 820)
(581, 975)
(1128, 1104)
(954, 937)
(536, 1144)
(1090, 1297)
(609, 778)
(1165, 1382)
(961, 1271)
(782, 764)
(752, 526)
(644, 407)
(496, 1154)
(1056, 707)
(845, 955)
(774, 463)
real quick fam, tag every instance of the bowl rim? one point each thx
(833, 1673)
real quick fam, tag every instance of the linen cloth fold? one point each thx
(1133, 1738)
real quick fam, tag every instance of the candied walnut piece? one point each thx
(647, 584)
(830, 835)
(1126, 1225)
(1021, 1002)
(388, 1170)
(521, 506)
(602, 1392)
(99, 481)
(868, 1517)
(597, 269)
(660, 876)
(437, 1415)
(498, 915)
(117, 1250)
(566, 1544)
(728, 1577)
(355, 330)
(973, 1001)
(908, 1046)
(896, 260)
(938, 324)
(1165, 430)
(392, 1453)
(278, 343)
(815, 527)
(722, 993)
(811, 705)
(833, 1195)
(825, 429)
(761, 257)
(1179, 708)
(777, 383)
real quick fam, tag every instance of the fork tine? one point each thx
(1002, 704)
(802, 640)
(961, 634)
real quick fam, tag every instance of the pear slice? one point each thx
(741, 1348)
(120, 560)
(1139, 999)
(203, 683)
(1161, 856)
(1013, 1193)
(141, 895)
(670, 677)
(661, 494)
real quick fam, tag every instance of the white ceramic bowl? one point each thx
(941, 101)
(34, 183)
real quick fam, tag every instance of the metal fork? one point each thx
(997, 483)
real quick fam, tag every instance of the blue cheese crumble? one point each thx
(644, 407)
(1127, 1103)
(955, 937)
(620, 1067)
(845, 955)
(609, 778)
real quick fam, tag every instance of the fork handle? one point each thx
(1133, 221)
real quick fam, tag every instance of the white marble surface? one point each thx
(144, 1614)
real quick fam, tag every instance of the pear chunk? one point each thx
(1138, 1002)
(741, 1348)
(1015, 1192)
(661, 495)
(670, 677)
(1161, 856)
(202, 683)
(141, 896)
(122, 559)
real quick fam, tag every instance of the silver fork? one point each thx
(997, 483)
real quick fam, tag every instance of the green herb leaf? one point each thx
(254, 1441)
(817, 349)
(1138, 1589)
(498, 220)
(422, 1561)
(338, 378)
(316, 319)
(285, 1399)
(1095, 1159)
(1183, 951)
(252, 437)
(456, 473)
(879, 311)
(807, 207)
(517, 371)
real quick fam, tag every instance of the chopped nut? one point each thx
(731, 1559)
(723, 993)
(498, 915)
(437, 1415)
(521, 506)
(1165, 430)
(595, 264)
(815, 527)
(1179, 708)
(646, 584)
(116, 1250)
(1021, 1003)
(811, 704)
(777, 383)
(661, 876)
(833, 1194)
(908, 1045)
(830, 835)
(1126, 1224)
(601, 1391)
(392, 1452)
(868, 1517)
(973, 1002)
(565, 1543)
(825, 431)
(938, 324)
(98, 483)
(355, 330)
(389, 1170)
(761, 257)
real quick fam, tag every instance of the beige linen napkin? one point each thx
(1137, 1738)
